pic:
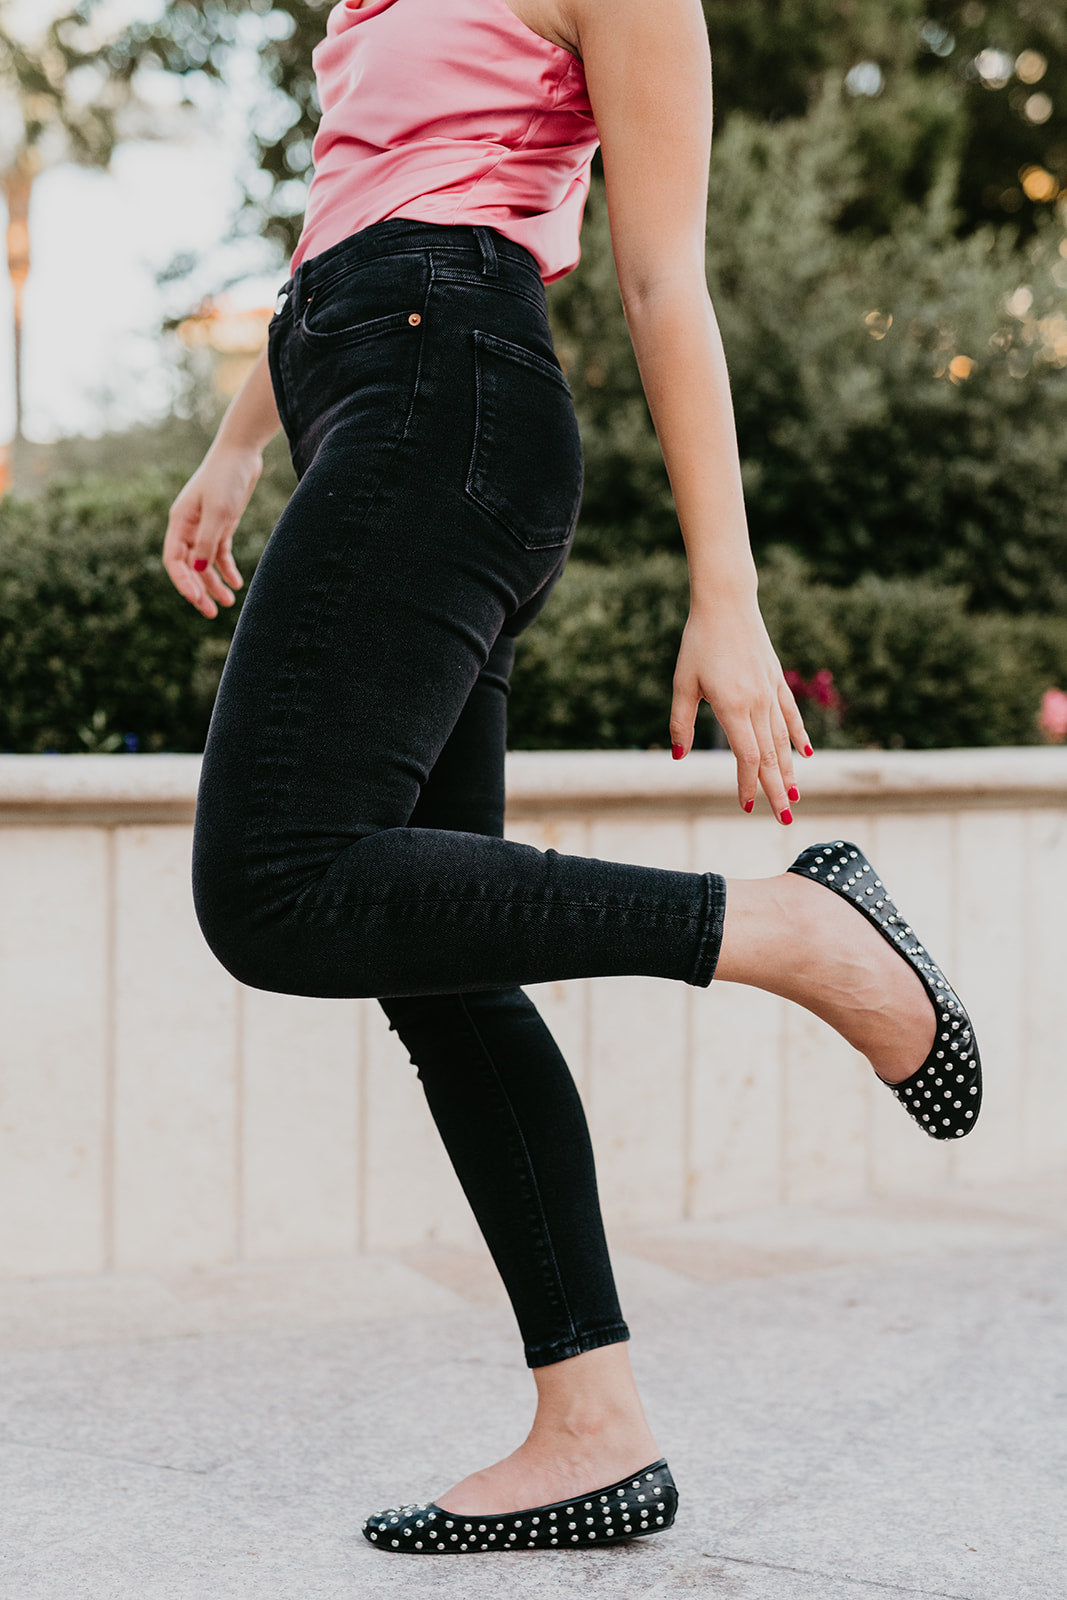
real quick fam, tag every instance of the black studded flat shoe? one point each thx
(644, 1503)
(945, 1094)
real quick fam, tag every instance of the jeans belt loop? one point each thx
(490, 264)
(296, 288)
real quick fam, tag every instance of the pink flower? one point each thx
(822, 687)
(1052, 718)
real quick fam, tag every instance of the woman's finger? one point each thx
(771, 778)
(177, 553)
(214, 532)
(684, 704)
(784, 751)
(228, 567)
(190, 584)
(215, 586)
(742, 741)
(793, 720)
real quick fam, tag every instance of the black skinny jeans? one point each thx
(349, 820)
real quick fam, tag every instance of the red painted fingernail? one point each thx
(787, 816)
(677, 751)
(794, 793)
(199, 564)
(749, 804)
(808, 751)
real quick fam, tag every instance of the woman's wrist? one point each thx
(729, 583)
(233, 447)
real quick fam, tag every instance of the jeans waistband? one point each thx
(488, 252)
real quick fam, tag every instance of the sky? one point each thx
(92, 359)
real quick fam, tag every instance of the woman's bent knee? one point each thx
(277, 949)
(231, 937)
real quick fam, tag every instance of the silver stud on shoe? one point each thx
(528, 1525)
(965, 1064)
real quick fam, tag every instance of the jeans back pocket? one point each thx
(526, 465)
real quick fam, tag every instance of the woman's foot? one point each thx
(590, 1430)
(793, 937)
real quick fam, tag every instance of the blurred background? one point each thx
(887, 256)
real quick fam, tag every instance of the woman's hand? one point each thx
(203, 519)
(727, 659)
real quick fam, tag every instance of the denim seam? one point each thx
(564, 1349)
(538, 1209)
(362, 261)
(454, 275)
(707, 956)
(482, 339)
(568, 905)
(310, 632)
(508, 350)
(281, 397)
(355, 333)
(459, 247)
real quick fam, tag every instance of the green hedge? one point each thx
(901, 401)
(96, 647)
(98, 652)
(912, 666)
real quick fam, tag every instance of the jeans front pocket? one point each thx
(324, 336)
(526, 465)
(349, 357)
(363, 302)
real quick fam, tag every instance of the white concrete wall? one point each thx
(156, 1114)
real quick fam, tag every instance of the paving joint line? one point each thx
(106, 1455)
(837, 1577)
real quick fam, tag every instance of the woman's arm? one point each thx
(648, 71)
(203, 519)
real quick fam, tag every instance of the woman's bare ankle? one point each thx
(757, 934)
(589, 1430)
(798, 939)
(589, 1404)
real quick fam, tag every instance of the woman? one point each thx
(349, 821)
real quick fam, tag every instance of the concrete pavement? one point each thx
(856, 1401)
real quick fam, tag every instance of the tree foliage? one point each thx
(199, 36)
(67, 93)
(888, 266)
(97, 652)
(68, 81)
(912, 666)
(939, 90)
(901, 399)
(772, 59)
(95, 645)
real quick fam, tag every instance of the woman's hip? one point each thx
(430, 338)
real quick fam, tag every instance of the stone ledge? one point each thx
(115, 790)
(94, 790)
(707, 780)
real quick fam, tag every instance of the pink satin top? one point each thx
(449, 111)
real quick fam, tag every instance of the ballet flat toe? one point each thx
(944, 1095)
(641, 1504)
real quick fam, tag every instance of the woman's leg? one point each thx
(500, 1092)
(369, 618)
(512, 1122)
(368, 622)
